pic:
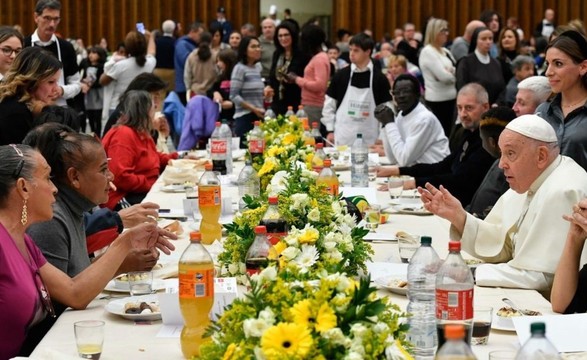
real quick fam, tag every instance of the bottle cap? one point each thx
(300, 107)
(261, 229)
(208, 166)
(359, 136)
(273, 200)
(218, 123)
(454, 246)
(290, 108)
(425, 240)
(195, 236)
(257, 123)
(327, 162)
(537, 328)
(315, 125)
(454, 332)
(319, 146)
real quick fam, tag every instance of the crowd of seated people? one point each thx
(490, 124)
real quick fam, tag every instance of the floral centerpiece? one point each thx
(332, 317)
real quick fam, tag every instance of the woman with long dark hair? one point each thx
(200, 70)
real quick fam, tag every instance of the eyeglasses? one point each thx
(7, 51)
(48, 18)
(44, 294)
(20, 165)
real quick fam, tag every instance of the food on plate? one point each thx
(398, 283)
(406, 236)
(471, 262)
(141, 308)
(174, 227)
(508, 312)
(133, 277)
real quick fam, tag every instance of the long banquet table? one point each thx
(125, 339)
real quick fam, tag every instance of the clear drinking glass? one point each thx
(372, 216)
(482, 317)
(89, 338)
(395, 185)
(140, 283)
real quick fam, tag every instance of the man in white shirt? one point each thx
(47, 17)
(415, 136)
(523, 236)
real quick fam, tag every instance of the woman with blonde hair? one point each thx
(438, 68)
(30, 84)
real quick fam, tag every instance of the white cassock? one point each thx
(524, 234)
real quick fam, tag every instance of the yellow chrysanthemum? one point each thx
(302, 313)
(229, 352)
(275, 150)
(326, 318)
(309, 236)
(276, 250)
(267, 167)
(286, 340)
(289, 139)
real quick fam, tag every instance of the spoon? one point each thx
(514, 306)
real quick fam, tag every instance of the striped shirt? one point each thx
(246, 85)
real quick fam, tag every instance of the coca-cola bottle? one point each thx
(454, 294)
(276, 225)
(256, 141)
(218, 150)
(257, 257)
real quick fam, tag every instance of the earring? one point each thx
(24, 215)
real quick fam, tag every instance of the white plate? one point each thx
(157, 285)
(390, 283)
(116, 307)
(174, 188)
(499, 323)
(411, 209)
(340, 166)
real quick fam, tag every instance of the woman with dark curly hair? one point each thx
(287, 59)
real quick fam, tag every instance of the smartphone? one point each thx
(141, 27)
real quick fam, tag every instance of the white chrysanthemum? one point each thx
(349, 220)
(334, 255)
(255, 327)
(309, 174)
(290, 253)
(345, 228)
(353, 355)
(334, 237)
(335, 336)
(233, 268)
(348, 247)
(358, 330)
(268, 274)
(330, 245)
(267, 315)
(307, 258)
(314, 215)
(278, 182)
(299, 201)
(292, 237)
(242, 267)
(380, 327)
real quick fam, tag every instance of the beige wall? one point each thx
(301, 10)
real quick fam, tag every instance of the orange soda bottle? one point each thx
(328, 177)
(209, 201)
(307, 136)
(196, 294)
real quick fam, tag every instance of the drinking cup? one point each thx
(140, 283)
(482, 317)
(89, 338)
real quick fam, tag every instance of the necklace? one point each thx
(582, 101)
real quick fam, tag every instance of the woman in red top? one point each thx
(134, 160)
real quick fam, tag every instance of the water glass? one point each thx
(395, 186)
(407, 247)
(140, 283)
(89, 338)
(372, 216)
(482, 317)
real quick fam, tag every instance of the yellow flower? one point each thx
(267, 167)
(326, 318)
(275, 150)
(286, 340)
(229, 352)
(276, 250)
(289, 139)
(309, 236)
(302, 313)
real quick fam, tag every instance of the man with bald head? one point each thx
(522, 238)
(460, 46)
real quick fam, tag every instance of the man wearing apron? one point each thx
(353, 94)
(47, 17)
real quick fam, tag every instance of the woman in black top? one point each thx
(220, 90)
(287, 58)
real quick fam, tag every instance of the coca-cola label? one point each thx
(256, 146)
(218, 146)
(274, 238)
(454, 304)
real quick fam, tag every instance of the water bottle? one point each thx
(359, 163)
(257, 257)
(454, 293)
(256, 141)
(218, 150)
(289, 112)
(318, 158)
(196, 294)
(301, 114)
(248, 184)
(269, 114)
(422, 272)
(227, 134)
(455, 346)
(538, 347)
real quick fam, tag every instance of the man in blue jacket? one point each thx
(183, 47)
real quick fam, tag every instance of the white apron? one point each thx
(356, 114)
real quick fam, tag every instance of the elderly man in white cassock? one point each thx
(523, 236)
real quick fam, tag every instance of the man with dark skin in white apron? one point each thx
(353, 94)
